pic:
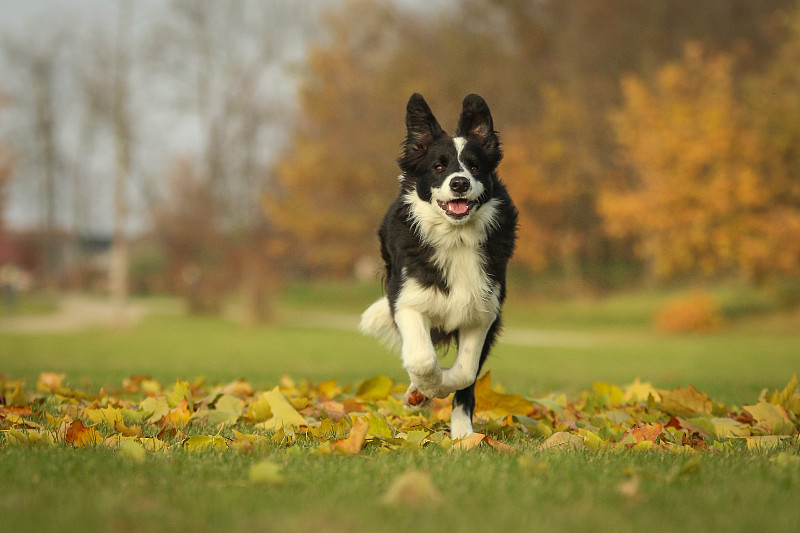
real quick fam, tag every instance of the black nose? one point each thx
(459, 184)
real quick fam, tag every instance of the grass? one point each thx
(66, 490)
(603, 340)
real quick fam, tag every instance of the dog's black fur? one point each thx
(446, 240)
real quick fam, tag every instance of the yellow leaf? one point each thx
(497, 405)
(329, 388)
(104, 414)
(132, 450)
(227, 410)
(771, 416)
(259, 410)
(17, 397)
(133, 431)
(179, 393)
(283, 414)
(203, 443)
(266, 473)
(378, 426)
(787, 397)
(157, 406)
(29, 438)
(763, 443)
(685, 402)
(153, 444)
(728, 427)
(561, 440)
(376, 388)
(246, 441)
(179, 416)
(639, 391)
(615, 395)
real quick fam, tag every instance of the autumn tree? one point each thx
(552, 175)
(705, 191)
(339, 174)
(550, 72)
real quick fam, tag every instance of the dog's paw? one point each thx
(416, 400)
(427, 380)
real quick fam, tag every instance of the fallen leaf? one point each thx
(79, 435)
(685, 402)
(355, 441)
(49, 381)
(133, 431)
(562, 440)
(227, 410)
(157, 406)
(495, 404)
(630, 487)
(132, 450)
(283, 414)
(265, 473)
(469, 442)
(413, 489)
(500, 446)
(376, 388)
(204, 443)
(771, 416)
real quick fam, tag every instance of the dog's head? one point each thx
(453, 174)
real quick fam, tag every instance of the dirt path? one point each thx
(79, 312)
(509, 335)
(74, 313)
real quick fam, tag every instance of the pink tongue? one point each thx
(459, 207)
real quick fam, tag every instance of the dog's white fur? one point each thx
(471, 304)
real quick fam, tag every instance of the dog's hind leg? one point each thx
(463, 407)
(464, 398)
(471, 342)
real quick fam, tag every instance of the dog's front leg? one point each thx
(419, 357)
(465, 370)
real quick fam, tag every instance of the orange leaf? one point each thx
(648, 432)
(501, 447)
(355, 441)
(79, 435)
(469, 442)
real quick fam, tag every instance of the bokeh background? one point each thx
(237, 156)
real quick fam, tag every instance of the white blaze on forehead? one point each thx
(460, 143)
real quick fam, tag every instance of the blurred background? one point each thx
(238, 156)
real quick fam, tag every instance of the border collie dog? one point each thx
(446, 241)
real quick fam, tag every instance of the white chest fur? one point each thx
(472, 298)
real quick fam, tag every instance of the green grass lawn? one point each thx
(61, 489)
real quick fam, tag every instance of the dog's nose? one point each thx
(459, 184)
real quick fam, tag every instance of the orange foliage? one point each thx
(694, 314)
(707, 194)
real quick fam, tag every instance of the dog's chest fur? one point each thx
(464, 294)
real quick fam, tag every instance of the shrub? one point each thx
(696, 313)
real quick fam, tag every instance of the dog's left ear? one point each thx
(476, 122)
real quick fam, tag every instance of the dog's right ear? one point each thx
(423, 128)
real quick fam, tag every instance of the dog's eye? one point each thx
(474, 169)
(439, 168)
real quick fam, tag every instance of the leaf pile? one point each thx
(145, 416)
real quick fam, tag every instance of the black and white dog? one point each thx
(446, 241)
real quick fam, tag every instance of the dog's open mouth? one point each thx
(458, 208)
